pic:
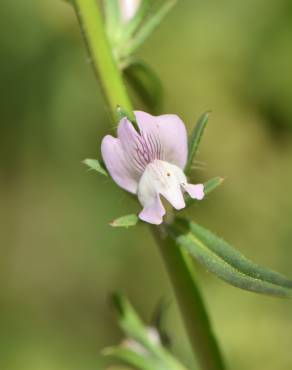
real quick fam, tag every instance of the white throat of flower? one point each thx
(168, 180)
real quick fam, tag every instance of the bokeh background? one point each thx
(59, 259)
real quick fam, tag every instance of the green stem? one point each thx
(91, 22)
(182, 274)
(177, 262)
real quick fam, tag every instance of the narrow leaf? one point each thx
(226, 263)
(128, 319)
(212, 184)
(148, 27)
(145, 83)
(195, 139)
(125, 221)
(235, 258)
(95, 165)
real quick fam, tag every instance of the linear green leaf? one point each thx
(129, 320)
(226, 263)
(148, 27)
(95, 165)
(235, 258)
(125, 221)
(195, 138)
(209, 186)
(212, 184)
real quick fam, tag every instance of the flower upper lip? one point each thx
(147, 149)
(162, 137)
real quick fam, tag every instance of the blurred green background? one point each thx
(59, 259)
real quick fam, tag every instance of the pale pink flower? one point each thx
(128, 9)
(150, 163)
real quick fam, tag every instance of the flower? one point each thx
(128, 9)
(150, 163)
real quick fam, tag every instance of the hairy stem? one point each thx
(177, 262)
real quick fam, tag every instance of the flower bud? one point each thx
(128, 9)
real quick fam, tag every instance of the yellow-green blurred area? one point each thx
(59, 259)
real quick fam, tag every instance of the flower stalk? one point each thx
(183, 278)
(177, 262)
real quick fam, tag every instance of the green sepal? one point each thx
(145, 83)
(125, 221)
(122, 113)
(194, 140)
(95, 165)
(225, 262)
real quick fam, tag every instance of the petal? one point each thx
(171, 133)
(118, 165)
(154, 212)
(161, 178)
(175, 198)
(126, 133)
(195, 191)
(136, 150)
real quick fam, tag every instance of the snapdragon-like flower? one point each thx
(150, 163)
(128, 9)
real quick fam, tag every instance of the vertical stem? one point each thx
(177, 262)
(91, 22)
(181, 271)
